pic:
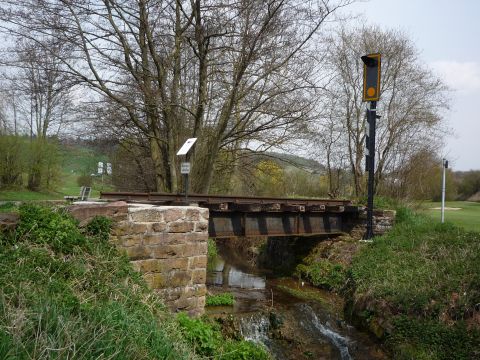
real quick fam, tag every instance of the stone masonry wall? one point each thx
(168, 245)
(383, 221)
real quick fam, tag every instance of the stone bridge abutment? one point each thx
(167, 244)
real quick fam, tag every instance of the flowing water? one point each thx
(289, 326)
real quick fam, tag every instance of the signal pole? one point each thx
(370, 165)
(371, 93)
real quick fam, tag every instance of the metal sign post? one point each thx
(185, 170)
(371, 93)
(444, 168)
(185, 166)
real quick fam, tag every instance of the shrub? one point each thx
(55, 228)
(226, 299)
(99, 227)
(207, 340)
(323, 273)
(84, 180)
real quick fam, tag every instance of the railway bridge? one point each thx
(235, 216)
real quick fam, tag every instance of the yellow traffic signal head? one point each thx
(371, 77)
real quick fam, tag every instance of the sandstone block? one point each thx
(170, 294)
(180, 227)
(195, 290)
(148, 214)
(201, 226)
(175, 238)
(190, 250)
(193, 214)
(201, 300)
(159, 227)
(139, 227)
(148, 265)
(178, 278)
(155, 280)
(199, 276)
(130, 240)
(198, 262)
(175, 264)
(154, 239)
(166, 251)
(194, 237)
(186, 303)
(172, 214)
(121, 228)
(204, 213)
(137, 252)
(85, 212)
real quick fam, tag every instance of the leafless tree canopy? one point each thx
(227, 72)
(412, 104)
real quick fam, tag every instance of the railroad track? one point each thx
(227, 203)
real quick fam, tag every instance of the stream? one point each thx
(291, 319)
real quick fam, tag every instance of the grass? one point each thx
(422, 282)
(468, 216)
(66, 294)
(223, 299)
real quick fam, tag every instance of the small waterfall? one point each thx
(255, 328)
(340, 342)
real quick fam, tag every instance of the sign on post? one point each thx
(100, 168)
(187, 146)
(185, 168)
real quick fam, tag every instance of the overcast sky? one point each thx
(447, 33)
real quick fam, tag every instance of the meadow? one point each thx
(462, 213)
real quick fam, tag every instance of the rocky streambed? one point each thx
(290, 318)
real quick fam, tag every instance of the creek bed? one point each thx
(291, 319)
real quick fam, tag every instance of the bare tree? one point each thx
(227, 72)
(411, 105)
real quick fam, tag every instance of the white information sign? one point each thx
(187, 146)
(109, 169)
(185, 168)
(100, 168)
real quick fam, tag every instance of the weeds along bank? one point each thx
(417, 288)
(67, 293)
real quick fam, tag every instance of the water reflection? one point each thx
(223, 274)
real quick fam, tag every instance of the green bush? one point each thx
(84, 180)
(226, 299)
(212, 248)
(203, 336)
(323, 273)
(207, 340)
(51, 227)
(99, 227)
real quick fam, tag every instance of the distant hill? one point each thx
(287, 160)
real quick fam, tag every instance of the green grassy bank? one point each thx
(418, 288)
(66, 293)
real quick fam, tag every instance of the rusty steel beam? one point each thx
(224, 224)
(232, 216)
